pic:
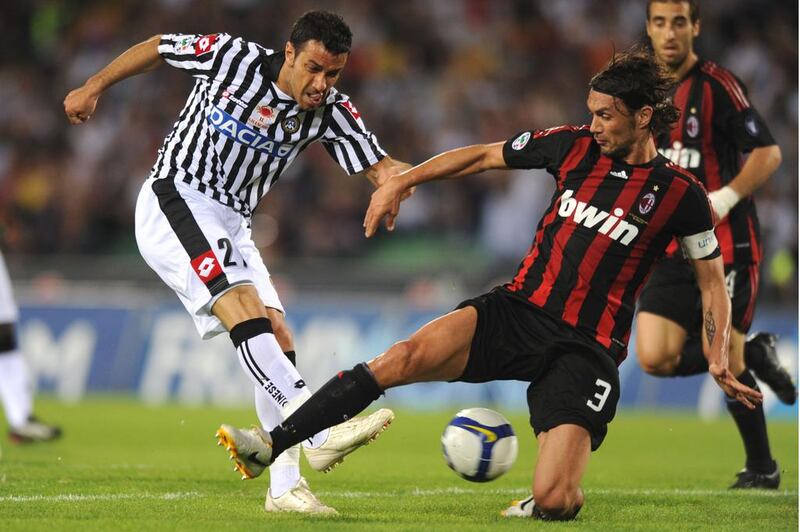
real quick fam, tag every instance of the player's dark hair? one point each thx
(694, 9)
(328, 28)
(638, 80)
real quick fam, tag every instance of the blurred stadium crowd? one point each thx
(426, 76)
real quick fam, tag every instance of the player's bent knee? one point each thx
(558, 502)
(657, 363)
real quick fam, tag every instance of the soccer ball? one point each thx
(479, 444)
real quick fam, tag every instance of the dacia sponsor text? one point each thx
(242, 133)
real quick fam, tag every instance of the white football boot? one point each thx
(298, 499)
(33, 431)
(250, 449)
(523, 508)
(346, 437)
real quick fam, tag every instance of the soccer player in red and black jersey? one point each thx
(562, 323)
(717, 125)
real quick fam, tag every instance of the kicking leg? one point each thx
(438, 351)
(280, 389)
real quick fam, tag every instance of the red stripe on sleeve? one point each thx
(729, 83)
(594, 255)
(664, 211)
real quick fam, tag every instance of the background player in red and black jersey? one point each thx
(717, 125)
(562, 323)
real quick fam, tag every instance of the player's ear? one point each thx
(644, 116)
(696, 28)
(289, 51)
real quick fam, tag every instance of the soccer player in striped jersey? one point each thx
(16, 392)
(251, 112)
(716, 127)
(563, 321)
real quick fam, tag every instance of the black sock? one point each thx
(341, 398)
(752, 427)
(693, 361)
(291, 356)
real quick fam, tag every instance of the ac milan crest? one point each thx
(647, 202)
(692, 126)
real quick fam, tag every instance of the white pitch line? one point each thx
(77, 497)
(419, 492)
(415, 492)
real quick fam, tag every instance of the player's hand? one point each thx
(385, 202)
(722, 201)
(79, 104)
(733, 388)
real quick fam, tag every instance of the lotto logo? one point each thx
(206, 266)
(204, 44)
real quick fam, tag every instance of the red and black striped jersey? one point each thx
(717, 125)
(607, 222)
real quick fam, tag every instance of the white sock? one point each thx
(284, 473)
(265, 363)
(15, 391)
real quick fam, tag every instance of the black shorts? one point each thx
(672, 292)
(573, 380)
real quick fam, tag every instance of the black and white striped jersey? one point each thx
(238, 131)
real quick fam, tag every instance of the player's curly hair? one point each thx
(328, 28)
(638, 80)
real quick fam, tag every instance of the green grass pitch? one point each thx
(126, 466)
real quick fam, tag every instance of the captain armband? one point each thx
(700, 246)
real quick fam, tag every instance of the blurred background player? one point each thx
(16, 390)
(251, 112)
(717, 126)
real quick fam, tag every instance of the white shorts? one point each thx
(9, 313)
(200, 248)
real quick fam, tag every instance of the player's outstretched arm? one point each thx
(386, 199)
(79, 104)
(716, 331)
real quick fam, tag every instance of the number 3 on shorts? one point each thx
(600, 396)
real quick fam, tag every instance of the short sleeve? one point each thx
(693, 224)
(197, 54)
(735, 117)
(540, 148)
(348, 140)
